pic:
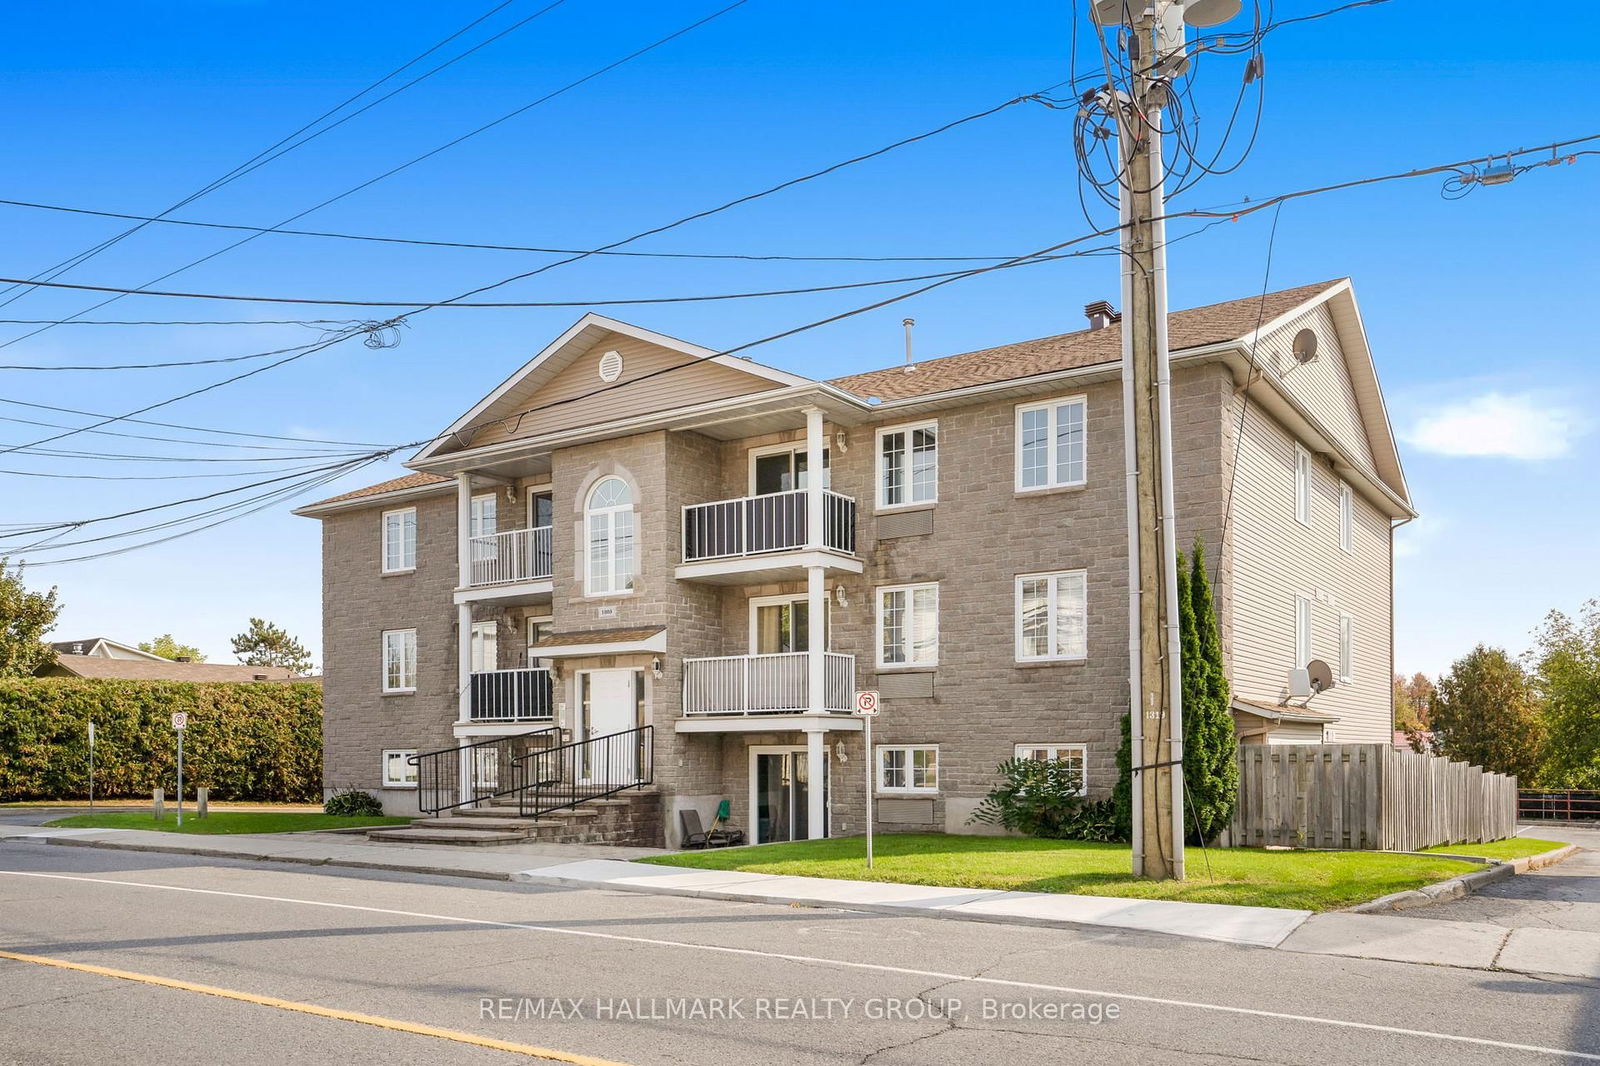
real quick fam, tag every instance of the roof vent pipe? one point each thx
(908, 323)
(1101, 314)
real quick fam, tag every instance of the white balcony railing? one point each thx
(512, 695)
(766, 684)
(756, 525)
(515, 555)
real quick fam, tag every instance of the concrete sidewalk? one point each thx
(1430, 941)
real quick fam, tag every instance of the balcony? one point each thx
(766, 537)
(751, 685)
(512, 696)
(513, 557)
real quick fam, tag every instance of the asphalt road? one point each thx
(612, 976)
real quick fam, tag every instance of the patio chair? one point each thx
(694, 833)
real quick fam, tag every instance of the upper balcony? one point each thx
(768, 537)
(514, 563)
(741, 693)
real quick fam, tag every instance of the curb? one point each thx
(297, 860)
(1464, 885)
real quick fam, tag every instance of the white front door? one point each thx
(612, 704)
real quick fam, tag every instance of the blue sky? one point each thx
(1474, 307)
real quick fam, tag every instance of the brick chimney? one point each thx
(1101, 314)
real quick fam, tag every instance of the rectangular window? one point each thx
(1302, 631)
(485, 636)
(1074, 755)
(399, 540)
(1347, 648)
(908, 768)
(781, 624)
(1302, 485)
(400, 660)
(908, 626)
(398, 771)
(1050, 444)
(483, 516)
(541, 511)
(1347, 518)
(783, 469)
(908, 465)
(1052, 616)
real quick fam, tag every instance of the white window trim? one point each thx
(491, 639)
(1347, 648)
(1302, 485)
(1304, 620)
(383, 541)
(532, 491)
(910, 591)
(877, 465)
(797, 447)
(775, 601)
(1347, 518)
(1051, 478)
(404, 753)
(589, 512)
(383, 661)
(1053, 577)
(907, 790)
(1083, 759)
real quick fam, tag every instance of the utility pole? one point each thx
(1154, 670)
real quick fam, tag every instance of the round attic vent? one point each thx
(610, 366)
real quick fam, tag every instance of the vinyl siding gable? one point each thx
(1323, 385)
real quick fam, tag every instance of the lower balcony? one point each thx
(762, 685)
(526, 695)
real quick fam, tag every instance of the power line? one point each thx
(260, 158)
(179, 425)
(481, 246)
(417, 159)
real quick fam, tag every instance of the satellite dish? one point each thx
(1171, 39)
(1320, 675)
(1305, 346)
(1109, 12)
(1210, 12)
(1299, 684)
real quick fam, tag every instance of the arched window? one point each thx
(608, 520)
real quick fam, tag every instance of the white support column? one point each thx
(816, 784)
(464, 661)
(464, 529)
(816, 616)
(814, 476)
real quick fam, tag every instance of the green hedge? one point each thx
(245, 741)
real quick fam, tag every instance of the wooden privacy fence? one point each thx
(1366, 796)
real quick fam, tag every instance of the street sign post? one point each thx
(867, 710)
(180, 722)
(91, 766)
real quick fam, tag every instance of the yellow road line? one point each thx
(414, 1028)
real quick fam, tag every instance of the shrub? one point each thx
(352, 802)
(1097, 822)
(1038, 797)
(256, 741)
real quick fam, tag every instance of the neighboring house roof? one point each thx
(1194, 328)
(96, 666)
(102, 647)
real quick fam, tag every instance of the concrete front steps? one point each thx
(630, 818)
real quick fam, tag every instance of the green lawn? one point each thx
(1512, 848)
(222, 821)
(1311, 880)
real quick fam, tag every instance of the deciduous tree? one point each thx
(1566, 665)
(168, 648)
(25, 617)
(1487, 713)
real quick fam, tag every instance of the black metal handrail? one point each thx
(492, 768)
(569, 774)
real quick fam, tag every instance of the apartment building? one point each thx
(703, 558)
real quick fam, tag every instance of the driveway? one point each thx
(1564, 896)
